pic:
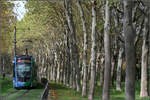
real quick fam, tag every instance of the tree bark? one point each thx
(93, 52)
(119, 67)
(74, 47)
(67, 57)
(102, 73)
(58, 71)
(107, 71)
(113, 62)
(144, 63)
(0, 46)
(85, 47)
(55, 68)
(149, 58)
(129, 51)
(97, 68)
(0, 65)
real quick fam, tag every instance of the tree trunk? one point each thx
(121, 50)
(112, 70)
(97, 68)
(55, 68)
(129, 51)
(93, 52)
(52, 66)
(0, 65)
(102, 73)
(71, 71)
(149, 59)
(144, 63)
(74, 47)
(67, 57)
(0, 46)
(89, 71)
(78, 79)
(113, 58)
(58, 71)
(119, 67)
(85, 47)
(107, 71)
(68, 64)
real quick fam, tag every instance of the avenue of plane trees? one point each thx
(83, 43)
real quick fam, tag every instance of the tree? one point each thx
(93, 52)
(129, 51)
(119, 67)
(85, 48)
(144, 63)
(7, 20)
(121, 49)
(107, 70)
(74, 48)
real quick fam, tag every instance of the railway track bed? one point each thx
(33, 94)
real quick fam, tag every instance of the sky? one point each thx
(19, 9)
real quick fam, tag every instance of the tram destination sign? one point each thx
(23, 61)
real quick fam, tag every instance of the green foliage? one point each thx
(43, 25)
(7, 19)
(100, 24)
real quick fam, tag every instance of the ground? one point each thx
(58, 92)
(7, 92)
(61, 92)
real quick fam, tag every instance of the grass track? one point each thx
(33, 94)
(7, 92)
(61, 92)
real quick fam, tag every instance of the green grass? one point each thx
(6, 87)
(34, 94)
(15, 95)
(64, 93)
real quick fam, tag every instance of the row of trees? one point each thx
(81, 44)
(7, 19)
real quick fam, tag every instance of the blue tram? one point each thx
(23, 72)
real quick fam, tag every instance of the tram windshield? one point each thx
(23, 70)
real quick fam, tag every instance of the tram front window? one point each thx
(23, 72)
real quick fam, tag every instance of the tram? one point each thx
(24, 72)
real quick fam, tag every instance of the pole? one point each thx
(15, 41)
(26, 51)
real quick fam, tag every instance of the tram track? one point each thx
(22, 95)
(11, 93)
